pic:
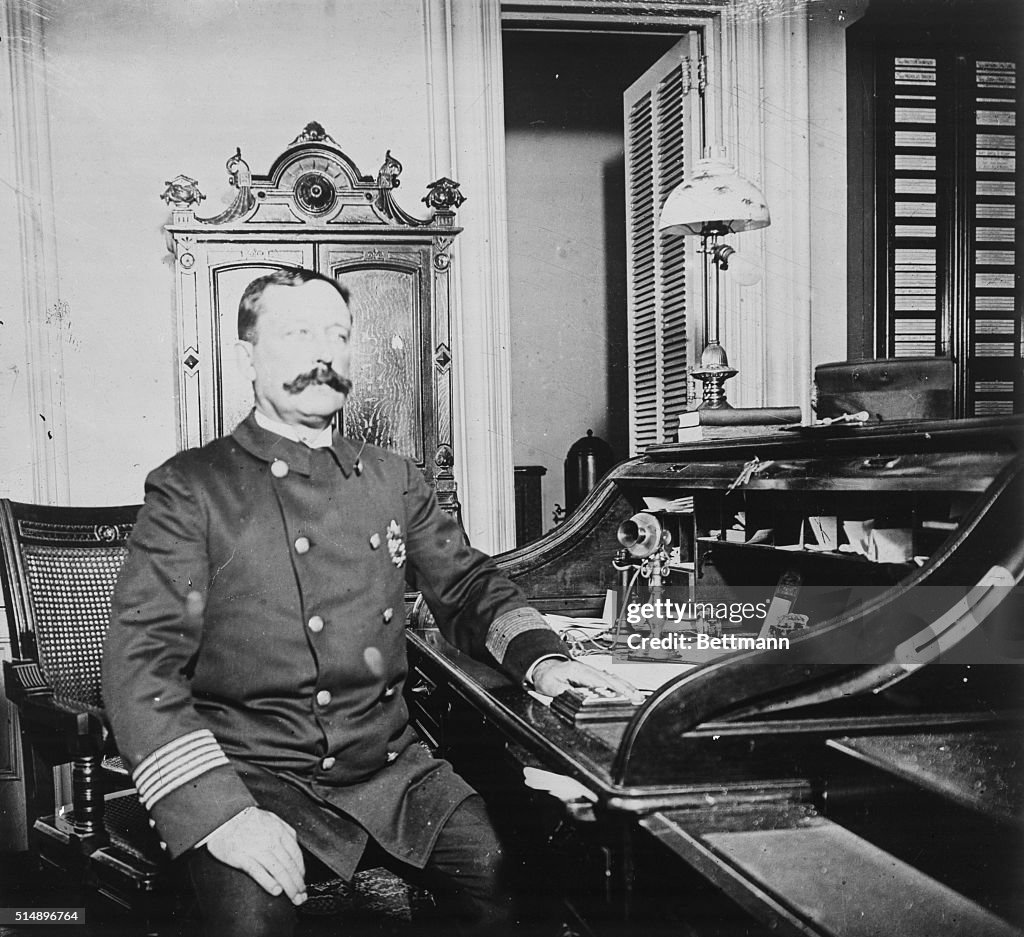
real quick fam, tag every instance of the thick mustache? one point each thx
(321, 374)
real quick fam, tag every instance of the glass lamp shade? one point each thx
(714, 199)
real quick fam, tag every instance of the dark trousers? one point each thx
(464, 872)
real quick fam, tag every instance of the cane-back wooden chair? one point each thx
(59, 569)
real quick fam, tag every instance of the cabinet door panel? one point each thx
(391, 351)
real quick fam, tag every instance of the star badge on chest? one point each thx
(396, 545)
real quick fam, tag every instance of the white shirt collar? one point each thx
(314, 438)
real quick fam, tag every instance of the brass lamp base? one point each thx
(714, 371)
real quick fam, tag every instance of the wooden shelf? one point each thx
(834, 556)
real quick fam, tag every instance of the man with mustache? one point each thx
(254, 666)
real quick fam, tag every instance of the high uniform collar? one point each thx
(269, 446)
(315, 439)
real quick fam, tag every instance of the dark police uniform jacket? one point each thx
(287, 690)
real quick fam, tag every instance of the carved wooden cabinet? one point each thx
(315, 209)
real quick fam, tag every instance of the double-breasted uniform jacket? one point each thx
(286, 689)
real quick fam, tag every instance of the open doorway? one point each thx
(564, 149)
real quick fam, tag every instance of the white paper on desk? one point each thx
(564, 623)
(566, 789)
(646, 677)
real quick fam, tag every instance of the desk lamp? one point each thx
(713, 201)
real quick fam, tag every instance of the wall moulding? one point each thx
(44, 316)
(621, 15)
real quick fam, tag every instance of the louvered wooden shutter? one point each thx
(660, 134)
(994, 381)
(947, 217)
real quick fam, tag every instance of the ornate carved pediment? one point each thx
(312, 182)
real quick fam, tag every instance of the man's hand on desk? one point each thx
(263, 846)
(555, 676)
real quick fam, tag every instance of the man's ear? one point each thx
(243, 360)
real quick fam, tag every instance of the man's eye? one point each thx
(298, 333)
(338, 336)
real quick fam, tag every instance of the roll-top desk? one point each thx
(866, 780)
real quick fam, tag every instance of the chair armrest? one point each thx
(24, 678)
(62, 730)
(59, 729)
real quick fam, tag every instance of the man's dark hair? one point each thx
(251, 304)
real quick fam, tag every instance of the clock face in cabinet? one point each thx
(315, 183)
(315, 193)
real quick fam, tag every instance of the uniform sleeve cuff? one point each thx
(518, 639)
(176, 763)
(193, 811)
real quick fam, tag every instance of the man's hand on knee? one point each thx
(263, 846)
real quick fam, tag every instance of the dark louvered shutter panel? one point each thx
(659, 128)
(947, 215)
(643, 358)
(995, 318)
(672, 268)
(914, 256)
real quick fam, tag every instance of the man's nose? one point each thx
(333, 358)
(325, 361)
